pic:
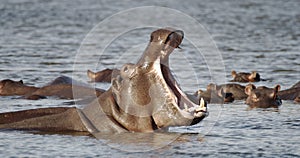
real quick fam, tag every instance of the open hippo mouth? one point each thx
(186, 106)
(148, 88)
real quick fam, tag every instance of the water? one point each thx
(40, 41)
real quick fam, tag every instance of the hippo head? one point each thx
(148, 89)
(10, 87)
(245, 77)
(215, 94)
(219, 92)
(262, 97)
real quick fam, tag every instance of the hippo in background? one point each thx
(245, 77)
(297, 85)
(237, 90)
(100, 76)
(262, 97)
(292, 93)
(60, 87)
(214, 94)
(9, 87)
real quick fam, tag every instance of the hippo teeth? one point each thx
(198, 108)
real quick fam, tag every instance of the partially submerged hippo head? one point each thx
(262, 97)
(215, 94)
(9, 87)
(146, 96)
(245, 77)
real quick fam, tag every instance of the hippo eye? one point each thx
(125, 69)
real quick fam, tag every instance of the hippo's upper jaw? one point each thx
(148, 89)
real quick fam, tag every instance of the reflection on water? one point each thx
(39, 42)
(138, 142)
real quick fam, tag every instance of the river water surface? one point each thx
(40, 40)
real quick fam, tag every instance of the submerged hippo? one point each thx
(292, 93)
(9, 87)
(237, 90)
(215, 94)
(100, 76)
(143, 97)
(262, 97)
(297, 85)
(61, 87)
(246, 77)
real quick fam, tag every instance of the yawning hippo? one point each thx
(262, 97)
(143, 97)
(100, 76)
(61, 87)
(245, 77)
(292, 93)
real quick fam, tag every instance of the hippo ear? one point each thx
(221, 92)
(198, 93)
(21, 81)
(91, 74)
(211, 87)
(233, 73)
(249, 88)
(275, 91)
(277, 88)
(253, 75)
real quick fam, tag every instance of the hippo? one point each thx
(262, 97)
(100, 76)
(292, 93)
(215, 94)
(143, 97)
(297, 99)
(297, 85)
(9, 87)
(237, 90)
(61, 87)
(245, 77)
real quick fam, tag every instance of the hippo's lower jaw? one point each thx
(188, 108)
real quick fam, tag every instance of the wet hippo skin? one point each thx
(297, 85)
(237, 90)
(66, 91)
(245, 77)
(44, 119)
(9, 87)
(143, 97)
(292, 93)
(262, 97)
(61, 87)
(215, 94)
